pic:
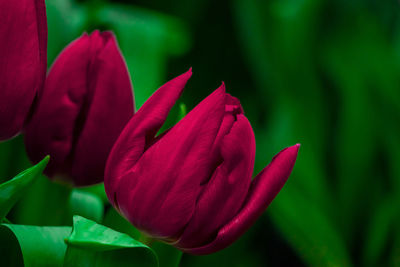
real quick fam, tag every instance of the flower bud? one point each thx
(23, 48)
(191, 186)
(86, 102)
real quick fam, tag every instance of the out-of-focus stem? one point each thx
(145, 239)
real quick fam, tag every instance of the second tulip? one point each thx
(86, 102)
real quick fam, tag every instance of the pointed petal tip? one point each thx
(222, 88)
(218, 93)
(189, 73)
(286, 158)
(295, 148)
(186, 75)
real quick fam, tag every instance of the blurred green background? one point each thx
(322, 73)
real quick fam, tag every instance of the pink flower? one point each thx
(191, 186)
(86, 102)
(23, 48)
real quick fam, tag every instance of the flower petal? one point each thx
(111, 107)
(160, 196)
(23, 49)
(262, 191)
(140, 131)
(52, 129)
(224, 194)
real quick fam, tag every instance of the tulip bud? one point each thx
(191, 186)
(86, 103)
(23, 33)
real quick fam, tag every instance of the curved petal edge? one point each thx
(263, 190)
(140, 131)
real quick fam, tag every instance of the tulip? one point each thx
(87, 101)
(191, 186)
(23, 46)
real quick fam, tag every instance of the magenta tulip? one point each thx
(86, 102)
(191, 186)
(23, 48)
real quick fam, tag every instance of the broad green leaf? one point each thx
(32, 246)
(13, 189)
(167, 255)
(92, 244)
(86, 204)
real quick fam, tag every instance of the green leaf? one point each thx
(92, 244)
(167, 255)
(30, 246)
(13, 189)
(86, 204)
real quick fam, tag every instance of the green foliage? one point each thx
(86, 204)
(12, 190)
(45, 204)
(92, 244)
(32, 246)
(333, 70)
